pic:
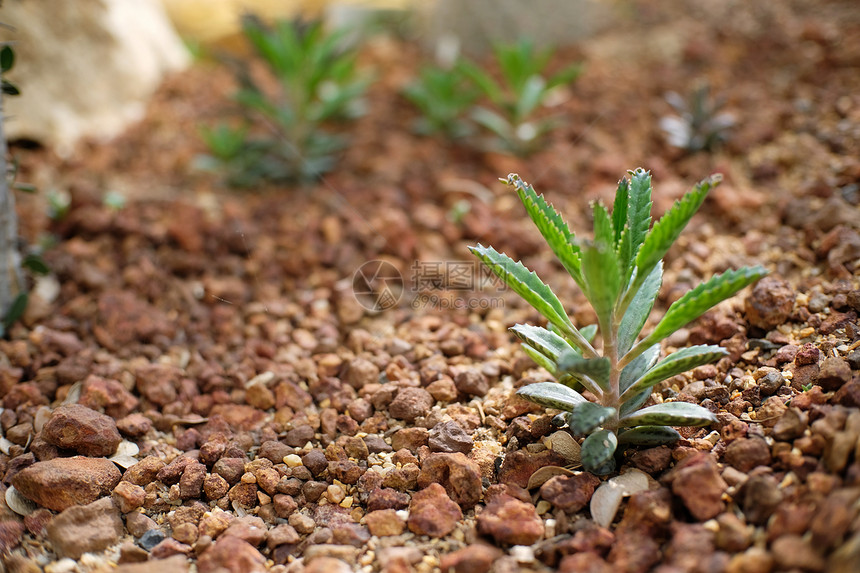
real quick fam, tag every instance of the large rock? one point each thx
(85, 528)
(103, 61)
(61, 483)
(78, 428)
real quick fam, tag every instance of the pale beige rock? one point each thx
(104, 60)
(85, 528)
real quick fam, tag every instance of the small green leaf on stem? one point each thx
(667, 229)
(649, 436)
(681, 361)
(669, 414)
(588, 416)
(552, 395)
(597, 450)
(594, 372)
(697, 301)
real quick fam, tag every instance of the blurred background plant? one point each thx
(699, 125)
(288, 134)
(444, 96)
(515, 98)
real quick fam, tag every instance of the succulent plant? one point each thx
(699, 125)
(318, 85)
(523, 87)
(620, 271)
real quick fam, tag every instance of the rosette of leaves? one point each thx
(443, 96)
(620, 271)
(316, 85)
(699, 125)
(516, 96)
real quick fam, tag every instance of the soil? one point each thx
(280, 425)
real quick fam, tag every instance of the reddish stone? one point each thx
(634, 552)
(240, 417)
(432, 512)
(124, 319)
(410, 403)
(233, 555)
(384, 522)
(134, 425)
(519, 465)
(570, 493)
(698, 483)
(475, 558)
(10, 535)
(746, 453)
(770, 303)
(85, 528)
(65, 482)
(460, 476)
(409, 438)
(83, 430)
(145, 471)
(109, 396)
(648, 512)
(586, 562)
(510, 521)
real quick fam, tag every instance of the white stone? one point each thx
(85, 68)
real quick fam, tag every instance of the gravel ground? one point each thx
(196, 383)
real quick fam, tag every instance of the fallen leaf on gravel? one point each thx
(545, 473)
(18, 503)
(566, 446)
(607, 498)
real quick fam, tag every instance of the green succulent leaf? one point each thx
(639, 308)
(540, 359)
(588, 417)
(619, 209)
(593, 372)
(597, 450)
(7, 59)
(532, 94)
(552, 395)
(551, 225)
(697, 301)
(604, 233)
(634, 403)
(565, 76)
(524, 282)
(15, 311)
(667, 229)
(551, 367)
(638, 217)
(35, 264)
(669, 414)
(602, 279)
(633, 371)
(649, 436)
(589, 332)
(676, 363)
(548, 343)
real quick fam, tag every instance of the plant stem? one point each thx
(11, 277)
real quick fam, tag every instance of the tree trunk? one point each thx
(11, 277)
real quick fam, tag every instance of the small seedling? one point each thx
(7, 62)
(288, 134)
(515, 99)
(444, 97)
(699, 125)
(620, 271)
